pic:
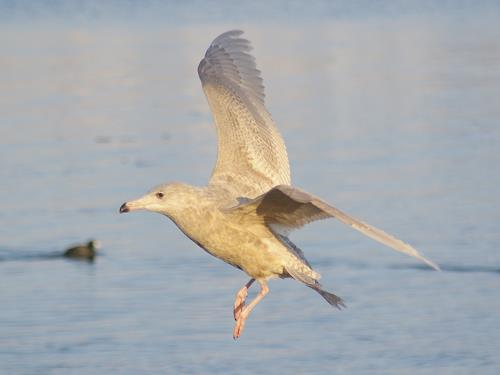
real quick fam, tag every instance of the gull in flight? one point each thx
(244, 214)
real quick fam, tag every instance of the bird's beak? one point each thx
(138, 204)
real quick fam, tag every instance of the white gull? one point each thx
(244, 215)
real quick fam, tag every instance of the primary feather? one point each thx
(251, 156)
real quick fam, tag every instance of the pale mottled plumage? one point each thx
(251, 153)
(245, 213)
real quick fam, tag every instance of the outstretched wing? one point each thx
(290, 208)
(251, 155)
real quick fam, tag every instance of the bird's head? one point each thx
(94, 244)
(165, 199)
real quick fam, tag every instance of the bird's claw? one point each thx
(238, 327)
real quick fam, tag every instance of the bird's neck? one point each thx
(195, 216)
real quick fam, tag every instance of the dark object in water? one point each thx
(86, 251)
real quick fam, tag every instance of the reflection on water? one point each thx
(389, 112)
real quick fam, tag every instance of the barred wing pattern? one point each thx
(251, 156)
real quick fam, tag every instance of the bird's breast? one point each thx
(248, 246)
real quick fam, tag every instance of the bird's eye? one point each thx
(159, 195)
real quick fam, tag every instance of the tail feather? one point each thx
(300, 269)
(307, 279)
(331, 298)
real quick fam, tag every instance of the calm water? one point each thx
(390, 112)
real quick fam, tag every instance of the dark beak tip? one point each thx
(124, 208)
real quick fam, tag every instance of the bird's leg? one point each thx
(240, 323)
(239, 302)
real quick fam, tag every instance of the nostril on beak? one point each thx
(124, 208)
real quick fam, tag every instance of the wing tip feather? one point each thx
(429, 262)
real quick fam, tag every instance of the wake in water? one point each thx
(86, 251)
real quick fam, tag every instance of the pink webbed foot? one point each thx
(238, 327)
(239, 302)
(244, 311)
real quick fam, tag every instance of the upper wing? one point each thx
(291, 208)
(251, 153)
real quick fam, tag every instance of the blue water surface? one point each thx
(390, 111)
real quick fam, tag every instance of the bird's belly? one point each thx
(258, 257)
